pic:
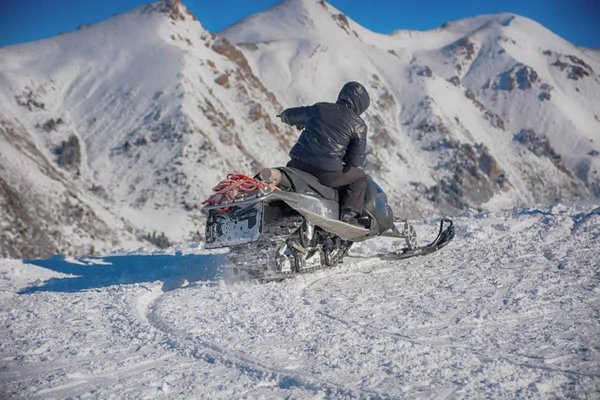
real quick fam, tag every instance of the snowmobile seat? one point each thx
(305, 183)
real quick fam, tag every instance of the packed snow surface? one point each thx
(510, 308)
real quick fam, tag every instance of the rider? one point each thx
(333, 145)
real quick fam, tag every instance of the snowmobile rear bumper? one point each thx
(242, 221)
(237, 225)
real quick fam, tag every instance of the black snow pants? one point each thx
(352, 181)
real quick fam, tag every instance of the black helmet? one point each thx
(354, 96)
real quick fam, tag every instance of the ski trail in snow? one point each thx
(145, 302)
(194, 346)
(83, 343)
(84, 382)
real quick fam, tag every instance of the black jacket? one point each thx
(334, 133)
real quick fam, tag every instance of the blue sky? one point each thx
(575, 20)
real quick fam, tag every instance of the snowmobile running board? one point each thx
(445, 236)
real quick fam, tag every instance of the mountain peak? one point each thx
(175, 9)
(467, 25)
(304, 7)
(293, 19)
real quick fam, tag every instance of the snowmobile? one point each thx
(275, 231)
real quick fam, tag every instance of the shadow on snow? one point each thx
(98, 272)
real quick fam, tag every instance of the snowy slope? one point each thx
(113, 135)
(509, 309)
(157, 111)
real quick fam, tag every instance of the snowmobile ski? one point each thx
(445, 236)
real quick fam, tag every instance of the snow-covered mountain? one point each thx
(492, 111)
(114, 134)
(125, 125)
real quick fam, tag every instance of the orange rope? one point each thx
(227, 190)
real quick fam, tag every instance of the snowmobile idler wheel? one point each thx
(410, 235)
(335, 251)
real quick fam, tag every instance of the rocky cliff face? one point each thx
(40, 208)
(111, 136)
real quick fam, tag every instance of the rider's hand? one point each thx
(283, 117)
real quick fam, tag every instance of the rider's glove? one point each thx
(283, 117)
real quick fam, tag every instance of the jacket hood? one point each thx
(354, 96)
